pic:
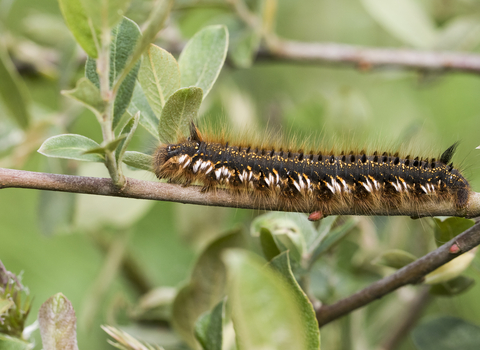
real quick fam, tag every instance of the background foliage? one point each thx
(74, 244)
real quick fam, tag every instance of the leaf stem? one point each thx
(103, 70)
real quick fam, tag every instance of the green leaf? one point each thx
(209, 328)
(333, 237)
(138, 160)
(5, 304)
(89, 95)
(205, 289)
(264, 310)
(395, 258)
(289, 230)
(269, 247)
(140, 104)
(448, 228)
(446, 333)
(11, 343)
(460, 33)
(451, 269)
(13, 91)
(179, 111)
(404, 19)
(202, 58)
(159, 77)
(105, 12)
(243, 48)
(58, 323)
(127, 131)
(281, 263)
(70, 146)
(81, 26)
(124, 40)
(111, 146)
(159, 14)
(452, 287)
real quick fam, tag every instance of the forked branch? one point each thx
(410, 274)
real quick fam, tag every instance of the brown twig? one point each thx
(366, 58)
(410, 274)
(220, 198)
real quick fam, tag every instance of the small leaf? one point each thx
(159, 14)
(105, 12)
(269, 247)
(127, 131)
(395, 258)
(13, 91)
(88, 94)
(264, 310)
(138, 160)
(58, 324)
(81, 27)
(205, 289)
(448, 228)
(159, 77)
(333, 237)
(281, 263)
(124, 40)
(209, 328)
(140, 104)
(11, 343)
(452, 269)
(404, 19)
(5, 304)
(111, 146)
(126, 341)
(243, 48)
(446, 333)
(70, 146)
(289, 230)
(179, 111)
(202, 58)
(461, 33)
(452, 287)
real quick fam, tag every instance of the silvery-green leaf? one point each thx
(81, 27)
(70, 146)
(58, 324)
(202, 58)
(138, 160)
(159, 77)
(179, 111)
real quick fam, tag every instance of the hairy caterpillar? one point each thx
(314, 180)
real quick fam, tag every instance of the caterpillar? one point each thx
(312, 181)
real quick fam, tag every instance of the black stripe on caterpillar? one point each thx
(303, 181)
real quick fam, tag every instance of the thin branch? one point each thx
(410, 274)
(367, 58)
(220, 198)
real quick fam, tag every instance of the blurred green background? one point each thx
(391, 107)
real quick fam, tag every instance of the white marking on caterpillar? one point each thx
(182, 158)
(424, 189)
(330, 187)
(209, 169)
(297, 186)
(187, 163)
(197, 165)
(204, 165)
(367, 187)
(267, 181)
(218, 173)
